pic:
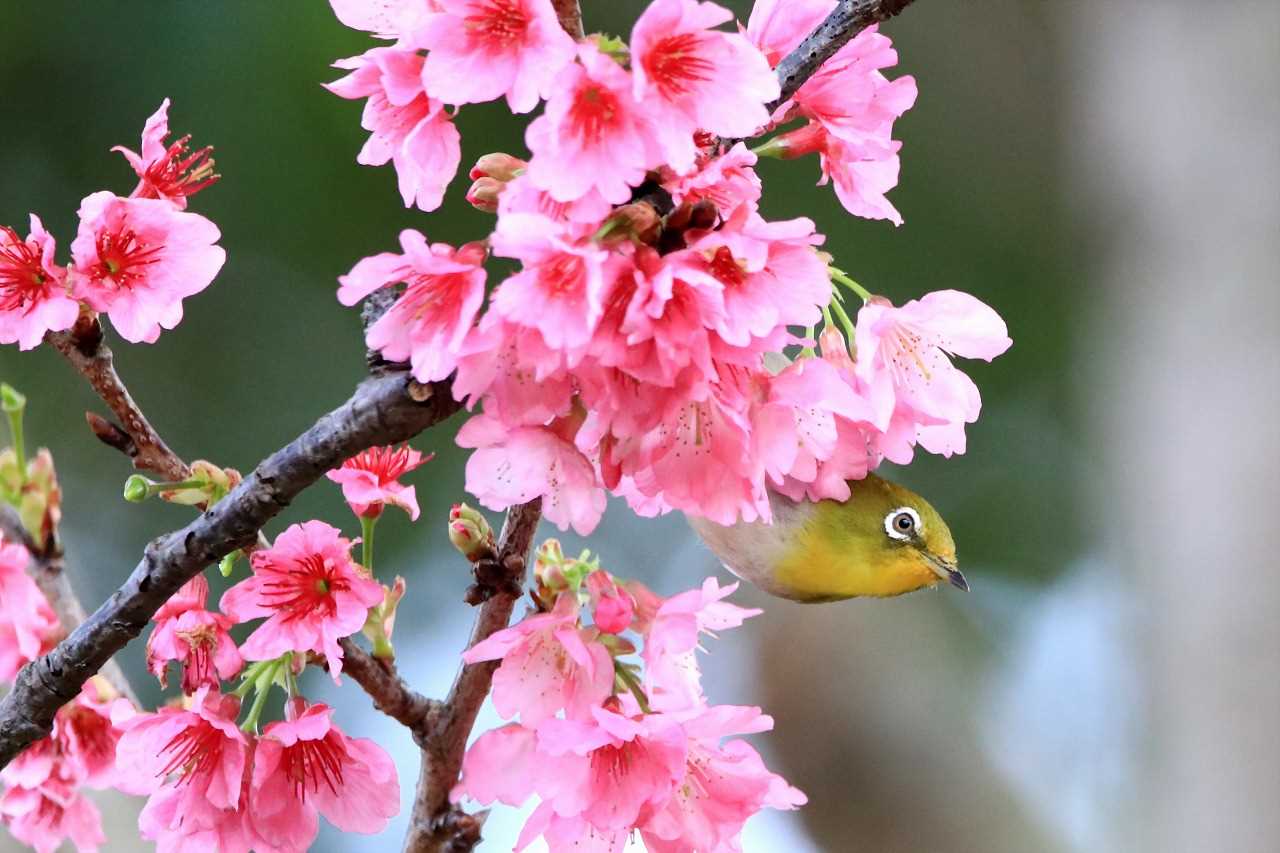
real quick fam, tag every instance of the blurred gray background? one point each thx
(1105, 174)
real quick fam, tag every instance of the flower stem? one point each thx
(841, 277)
(261, 684)
(628, 679)
(14, 404)
(843, 317)
(367, 524)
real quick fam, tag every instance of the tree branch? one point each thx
(435, 826)
(83, 346)
(381, 411)
(845, 21)
(570, 16)
(390, 694)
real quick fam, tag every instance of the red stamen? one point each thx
(22, 275)
(122, 257)
(310, 762)
(179, 174)
(197, 749)
(501, 24)
(675, 66)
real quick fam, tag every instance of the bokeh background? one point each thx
(1103, 173)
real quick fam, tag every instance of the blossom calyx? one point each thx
(38, 496)
(470, 533)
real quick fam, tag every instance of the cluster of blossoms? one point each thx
(134, 259)
(639, 349)
(613, 747)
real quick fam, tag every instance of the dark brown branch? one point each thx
(435, 826)
(84, 347)
(379, 412)
(845, 21)
(387, 689)
(570, 16)
(48, 570)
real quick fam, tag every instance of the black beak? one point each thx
(946, 569)
(957, 580)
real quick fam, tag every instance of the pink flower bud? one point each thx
(499, 166)
(470, 532)
(483, 194)
(613, 606)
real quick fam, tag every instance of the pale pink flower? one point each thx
(521, 195)
(199, 640)
(28, 625)
(593, 135)
(569, 833)
(193, 765)
(723, 785)
(171, 172)
(428, 322)
(136, 259)
(728, 181)
(671, 678)
(481, 50)
(306, 766)
(559, 291)
(44, 817)
(411, 130)
(689, 77)
(391, 19)
(519, 377)
(371, 479)
(33, 289)
(549, 664)
(777, 27)
(311, 591)
(909, 348)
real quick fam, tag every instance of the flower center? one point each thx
(123, 258)
(304, 590)
(562, 276)
(194, 751)
(726, 269)
(498, 23)
(178, 173)
(22, 276)
(675, 66)
(308, 763)
(594, 110)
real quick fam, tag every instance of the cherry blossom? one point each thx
(311, 591)
(33, 290)
(171, 172)
(27, 622)
(44, 817)
(393, 19)
(136, 259)
(371, 479)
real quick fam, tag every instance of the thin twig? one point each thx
(435, 826)
(84, 347)
(390, 694)
(570, 16)
(380, 411)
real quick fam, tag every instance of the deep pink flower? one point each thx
(86, 731)
(612, 605)
(723, 785)
(170, 172)
(27, 622)
(304, 766)
(192, 595)
(136, 259)
(311, 591)
(371, 479)
(549, 663)
(728, 181)
(515, 465)
(199, 640)
(428, 323)
(481, 50)
(56, 811)
(408, 128)
(908, 348)
(671, 678)
(689, 77)
(193, 766)
(33, 289)
(593, 135)
(521, 380)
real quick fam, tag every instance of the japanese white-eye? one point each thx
(884, 540)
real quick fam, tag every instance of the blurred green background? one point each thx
(1105, 177)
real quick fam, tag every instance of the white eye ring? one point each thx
(903, 524)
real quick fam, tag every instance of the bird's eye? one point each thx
(903, 523)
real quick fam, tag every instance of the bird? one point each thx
(885, 540)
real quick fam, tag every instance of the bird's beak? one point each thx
(946, 569)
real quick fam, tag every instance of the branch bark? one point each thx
(83, 346)
(436, 826)
(570, 15)
(381, 411)
(848, 19)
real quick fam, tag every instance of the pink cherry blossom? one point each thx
(671, 679)
(777, 27)
(728, 181)
(170, 172)
(409, 129)
(306, 766)
(199, 640)
(512, 466)
(592, 136)
(28, 625)
(193, 765)
(612, 605)
(311, 591)
(46, 816)
(136, 259)
(520, 379)
(429, 322)
(87, 730)
(548, 664)
(481, 50)
(909, 348)
(690, 77)
(371, 479)
(723, 785)
(393, 19)
(33, 289)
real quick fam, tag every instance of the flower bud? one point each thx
(11, 401)
(208, 484)
(834, 349)
(548, 569)
(499, 166)
(35, 495)
(137, 489)
(470, 533)
(613, 606)
(483, 194)
(637, 220)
